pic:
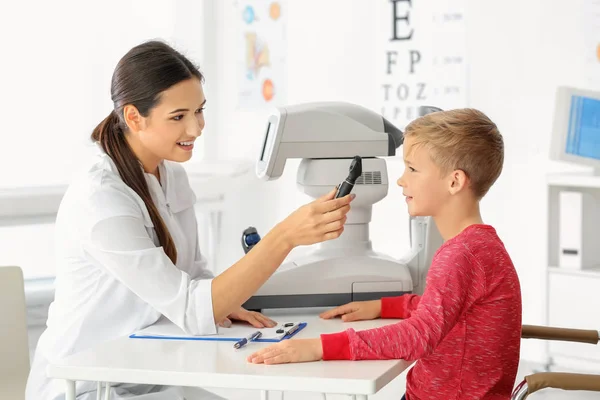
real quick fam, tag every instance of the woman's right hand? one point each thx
(318, 221)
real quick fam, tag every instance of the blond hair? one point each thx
(464, 139)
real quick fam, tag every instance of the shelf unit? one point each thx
(572, 295)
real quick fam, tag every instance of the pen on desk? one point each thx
(242, 342)
(290, 331)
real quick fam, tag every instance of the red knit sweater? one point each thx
(465, 330)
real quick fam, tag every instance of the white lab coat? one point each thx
(113, 278)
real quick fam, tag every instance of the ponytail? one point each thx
(111, 137)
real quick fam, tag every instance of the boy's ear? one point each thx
(458, 181)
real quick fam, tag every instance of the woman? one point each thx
(127, 245)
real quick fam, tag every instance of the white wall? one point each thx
(58, 61)
(518, 52)
(55, 75)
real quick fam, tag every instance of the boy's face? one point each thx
(426, 191)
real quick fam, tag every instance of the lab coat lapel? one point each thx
(179, 194)
(109, 165)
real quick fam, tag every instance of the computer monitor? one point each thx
(576, 130)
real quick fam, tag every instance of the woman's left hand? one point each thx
(255, 319)
(289, 351)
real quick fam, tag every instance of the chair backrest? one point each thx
(14, 344)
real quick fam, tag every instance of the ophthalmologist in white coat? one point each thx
(126, 233)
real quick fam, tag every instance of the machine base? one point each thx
(257, 303)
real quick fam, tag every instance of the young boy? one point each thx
(465, 330)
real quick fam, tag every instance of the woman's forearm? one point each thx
(236, 284)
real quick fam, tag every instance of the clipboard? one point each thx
(164, 329)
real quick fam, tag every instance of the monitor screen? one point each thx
(262, 154)
(583, 136)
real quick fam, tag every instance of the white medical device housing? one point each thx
(326, 136)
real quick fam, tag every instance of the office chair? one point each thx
(14, 345)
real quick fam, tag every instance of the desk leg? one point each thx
(264, 395)
(361, 397)
(99, 391)
(107, 391)
(70, 390)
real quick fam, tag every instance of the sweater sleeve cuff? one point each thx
(336, 346)
(393, 307)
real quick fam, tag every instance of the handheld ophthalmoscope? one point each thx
(355, 171)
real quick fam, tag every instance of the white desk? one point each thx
(218, 365)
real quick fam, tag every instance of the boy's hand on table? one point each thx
(355, 311)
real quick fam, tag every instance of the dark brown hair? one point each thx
(139, 79)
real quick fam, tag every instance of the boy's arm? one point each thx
(399, 306)
(453, 283)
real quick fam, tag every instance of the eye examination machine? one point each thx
(330, 139)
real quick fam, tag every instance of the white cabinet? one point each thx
(573, 295)
(574, 303)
